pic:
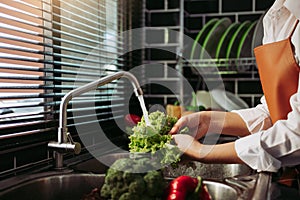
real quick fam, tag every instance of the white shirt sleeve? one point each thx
(275, 147)
(256, 119)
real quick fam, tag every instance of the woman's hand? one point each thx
(219, 153)
(217, 122)
(188, 145)
(196, 122)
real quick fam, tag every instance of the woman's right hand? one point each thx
(196, 122)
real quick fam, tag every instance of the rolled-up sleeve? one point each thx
(257, 118)
(275, 147)
(251, 151)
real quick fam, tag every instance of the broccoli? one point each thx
(137, 186)
(113, 176)
(129, 196)
(115, 193)
(155, 183)
(128, 185)
(105, 191)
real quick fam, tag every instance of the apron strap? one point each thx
(294, 28)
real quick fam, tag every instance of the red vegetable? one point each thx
(186, 187)
(132, 120)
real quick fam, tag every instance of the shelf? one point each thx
(221, 66)
(222, 14)
(161, 45)
(222, 62)
(163, 10)
(161, 27)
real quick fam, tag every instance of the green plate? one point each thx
(244, 48)
(201, 35)
(212, 38)
(222, 45)
(232, 46)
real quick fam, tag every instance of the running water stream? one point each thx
(145, 112)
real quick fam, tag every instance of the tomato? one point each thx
(132, 119)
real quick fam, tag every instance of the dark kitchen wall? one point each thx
(239, 76)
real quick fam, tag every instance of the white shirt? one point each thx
(270, 147)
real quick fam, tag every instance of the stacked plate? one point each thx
(224, 39)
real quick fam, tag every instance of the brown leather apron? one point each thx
(279, 74)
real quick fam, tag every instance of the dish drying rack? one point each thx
(223, 65)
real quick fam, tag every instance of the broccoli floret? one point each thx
(115, 193)
(129, 196)
(128, 177)
(113, 176)
(105, 191)
(154, 183)
(137, 186)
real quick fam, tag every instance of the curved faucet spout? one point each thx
(63, 135)
(86, 88)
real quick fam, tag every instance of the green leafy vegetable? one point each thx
(155, 138)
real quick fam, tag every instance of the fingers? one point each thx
(188, 145)
(191, 121)
(183, 142)
(179, 124)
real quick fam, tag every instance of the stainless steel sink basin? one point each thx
(191, 168)
(57, 187)
(75, 186)
(207, 171)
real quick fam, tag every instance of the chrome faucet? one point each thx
(64, 140)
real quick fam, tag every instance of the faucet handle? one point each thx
(66, 146)
(70, 138)
(76, 145)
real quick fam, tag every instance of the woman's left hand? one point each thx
(194, 150)
(188, 145)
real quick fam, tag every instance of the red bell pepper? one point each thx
(132, 119)
(186, 187)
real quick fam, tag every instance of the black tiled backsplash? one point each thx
(203, 6)
(248, 100)
(164, 19)
(7, 162)
(26, 156)
(236, 5)
(246, 84)
(173, 4)
(159, 54)
(193, 22)
(263, 4)
(155, 4)
(164, 87)
(249, 87)
(252, 17)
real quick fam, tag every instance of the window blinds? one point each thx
(49, 47)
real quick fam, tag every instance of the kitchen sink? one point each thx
(191, 168)
(207, 171)
(76, 186)
(66, 186)
(224, 181)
